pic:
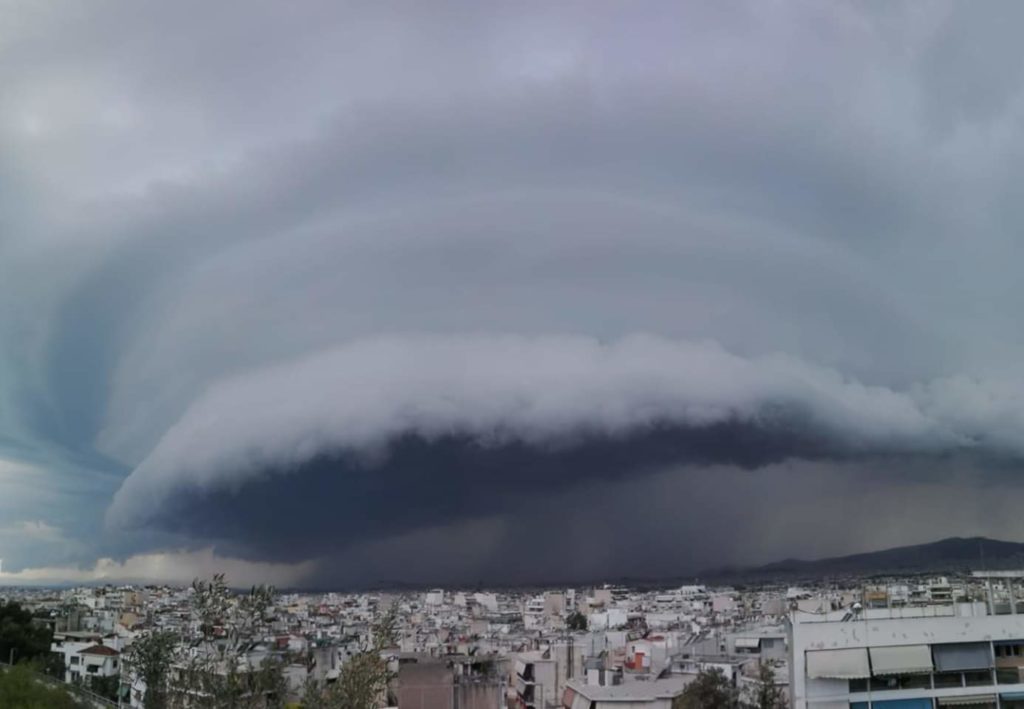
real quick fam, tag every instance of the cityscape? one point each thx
(911, 641)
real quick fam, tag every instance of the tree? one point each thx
(711, 690)
(219, 674)
(576, 621)
(107, 687)
(768, 695)
(21, 638)
(150, 658)
(364, 679)
(362, 682)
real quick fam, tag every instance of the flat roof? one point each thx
(637, 690)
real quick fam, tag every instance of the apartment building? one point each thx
(536, 681)
(655, 694)
(907, 658)
(86, 655)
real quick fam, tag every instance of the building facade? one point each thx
(907, 658)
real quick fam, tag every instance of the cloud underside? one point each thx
(393, 435)
(339, 283)
(176, 567)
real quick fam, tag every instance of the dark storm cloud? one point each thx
(681, 521)
(280, 254)
(426, 484)
(360, 397)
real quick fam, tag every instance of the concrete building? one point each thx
(450, 683)
(554, 603)
(536, 681)
(99, 661)
(86, 654)
(907, 658)
(653, 694)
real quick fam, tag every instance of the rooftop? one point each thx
(638, 691)
(100, 650)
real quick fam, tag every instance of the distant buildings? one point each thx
(886, 644)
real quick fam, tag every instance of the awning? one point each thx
(962, 656)
(828, 705)
(918, 703)
(901, 660)
(850, 663)
(748, 643)
(967, 700)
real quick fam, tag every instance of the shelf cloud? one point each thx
(441, 429)
(347, 287)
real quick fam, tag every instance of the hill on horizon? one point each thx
(950, 554)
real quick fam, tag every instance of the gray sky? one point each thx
(336, 293)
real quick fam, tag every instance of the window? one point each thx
(948, 679)
(858, 685)
(75, 659)
(918, 681)
(1007, 675)
(891, 682)
(884, 683)
(978, 678)
(1010, 650)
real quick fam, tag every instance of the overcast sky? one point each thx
(341, 293)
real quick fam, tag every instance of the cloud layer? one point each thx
(172, 567)
(353, 254)
(403, 433)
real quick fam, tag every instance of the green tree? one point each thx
(22, 638)
(20, 688)
(364, 679)
(105, 686)
(219, 675)
(150, 659)
(710, 690)
(576, 621)
(768, 694)
(362, 683)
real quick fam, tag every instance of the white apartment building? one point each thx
(907, 658)
(85, 655)
(99, 661)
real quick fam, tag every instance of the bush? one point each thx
(20, 688)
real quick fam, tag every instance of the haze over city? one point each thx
(327, 294)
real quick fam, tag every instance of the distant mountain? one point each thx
(953, 554)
